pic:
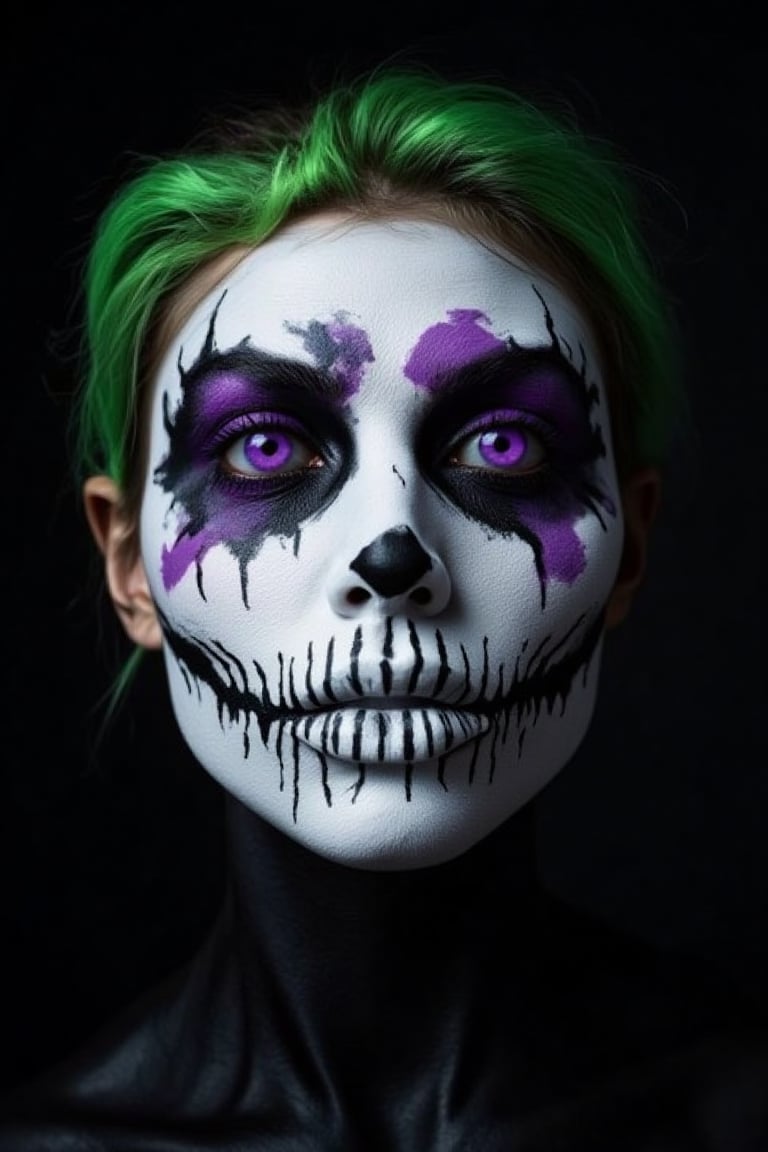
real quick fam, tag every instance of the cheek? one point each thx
(583, 558)
(499, 591)
(217, 598)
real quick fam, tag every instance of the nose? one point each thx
(396, 572)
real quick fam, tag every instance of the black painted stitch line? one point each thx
(418, 661)
(467, 675)
(544, 682)
(279, 752)
(441, 770)
(484, 674)
(295, 777)
(292, 688)
(329, 671)
(444, 667)
(324, 779)
(280, 682)
(408, 749)
(520, 740)
(359, 783)
(428, 730)
(311, 695)
(381, 723)
(335, 732)
(354, 658)
(357, 734)
(324, 733)
(387, 652)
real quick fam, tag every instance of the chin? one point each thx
(382, 832)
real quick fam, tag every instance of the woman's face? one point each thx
(381, 524)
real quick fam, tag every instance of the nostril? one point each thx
(357, 595)
(421, 595)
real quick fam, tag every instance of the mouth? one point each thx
(387, 730)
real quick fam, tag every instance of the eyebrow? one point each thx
(257, 366)
(494, 368)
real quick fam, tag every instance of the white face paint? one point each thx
(381, 522)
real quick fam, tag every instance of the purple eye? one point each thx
(269, 451)
(501, 447)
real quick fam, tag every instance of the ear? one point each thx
(641, 496)
(115, 534)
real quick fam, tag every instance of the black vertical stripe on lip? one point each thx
(428, 730)
(324, 733)
(357, 736)
(335, 733)
(407, 735)
(382, 733)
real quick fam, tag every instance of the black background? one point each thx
(112, 858)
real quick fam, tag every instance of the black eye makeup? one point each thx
(515, 412)
(257, 445)
(511, 442)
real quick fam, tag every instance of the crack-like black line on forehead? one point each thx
(589, 390)
(557, 341)
(246, 356)
(539, 678)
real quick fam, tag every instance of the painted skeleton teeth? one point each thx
(375, 735)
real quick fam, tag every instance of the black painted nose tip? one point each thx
(393, 562)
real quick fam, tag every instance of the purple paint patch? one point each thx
(564, 556)
(186, 550)
(340, 348)
(227, 523)
(449, 345)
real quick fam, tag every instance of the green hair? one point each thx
(396, 140)
(380, 141)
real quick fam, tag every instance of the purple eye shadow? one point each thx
(339, 348)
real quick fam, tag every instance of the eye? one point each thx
(509, 447)
(269, 450)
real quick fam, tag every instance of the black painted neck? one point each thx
(333, 956)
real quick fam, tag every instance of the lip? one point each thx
(387, 731)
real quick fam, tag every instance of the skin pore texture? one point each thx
(380, 529)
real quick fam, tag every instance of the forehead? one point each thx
(394, 278)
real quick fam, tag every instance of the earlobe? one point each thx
(115, 533)
(640, 502)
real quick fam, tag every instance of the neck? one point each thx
(337, 961)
